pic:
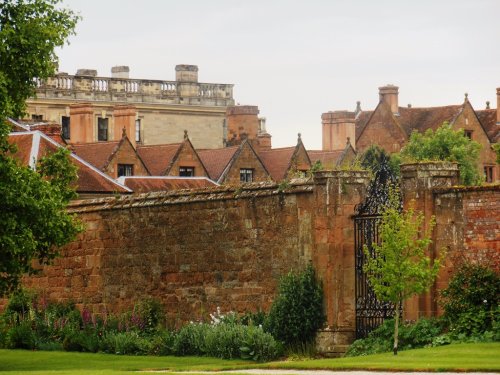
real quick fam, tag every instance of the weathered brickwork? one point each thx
(227, 247)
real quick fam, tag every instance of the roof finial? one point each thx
(358, 108)
(299, 139)
(466, 95)
(409, 105)
(348, 141)
(488, 104)
(185, 134)
(124, 132)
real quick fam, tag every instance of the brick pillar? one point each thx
(124, 118)
(418, 182)
(81, 123)
(337, 194)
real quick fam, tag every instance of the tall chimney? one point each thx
(263, 137)
(242, 123)
(389, 95)
(124, 120)
(338, 127)
(81, 123)
(186, 73)
(498, 105)
(120, 72)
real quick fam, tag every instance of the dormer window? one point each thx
(186, 171)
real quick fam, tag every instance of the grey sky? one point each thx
(297, 59)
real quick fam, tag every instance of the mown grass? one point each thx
(460, 357)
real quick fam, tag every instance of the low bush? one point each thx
(411, 335)
(471, 301)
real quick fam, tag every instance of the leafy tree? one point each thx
(398, 267)
(297, 312)
(496, 148)
(375, 156)
(33, 219)
(30, 30)
(448, 145)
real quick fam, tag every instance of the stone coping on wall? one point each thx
(466, 189)
(191, 195)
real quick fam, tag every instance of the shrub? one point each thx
(21, 336)
(297, 312)
(412, 335)
(190, 340)
(471, 300)
(162, 343)
(125, 343)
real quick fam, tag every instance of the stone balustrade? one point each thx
(134, 90)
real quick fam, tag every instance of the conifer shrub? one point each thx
(297, 312)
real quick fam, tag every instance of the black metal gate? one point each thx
(370, 312)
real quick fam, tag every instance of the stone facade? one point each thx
(164, 108)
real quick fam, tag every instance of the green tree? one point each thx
(375, 156)
(30, 30)
(33, 217)
(446, 144)
(398, 267)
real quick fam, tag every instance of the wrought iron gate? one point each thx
(370, 312)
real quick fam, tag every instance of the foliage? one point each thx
(398, 267)
(496, 148)
(447, 145)
(471, 300)
(412, 335)
(297, 312)
(33, 220)
(30, 30)
(375, 156)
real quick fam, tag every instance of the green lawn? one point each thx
(462, 357)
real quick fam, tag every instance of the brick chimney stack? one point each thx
(389, 95)
(81, 123)
(338, 127)
(498, 105)
(242, 123)
(124, 118)
(263, 137)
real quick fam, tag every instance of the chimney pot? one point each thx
(120, 71)
(186, 73)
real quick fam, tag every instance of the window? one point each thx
(125, 170)
(138, 130)
(488, 173)
(102, 129)
(246, 175)
(65, 127)
(186, 171)
(37, 117)
(468, 133)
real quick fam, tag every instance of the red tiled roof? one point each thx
(98, 153)
(90, 180)
(361, 121)
(150, 184)
(277, 161)
(157, 158)
(421, 119)
(325, 157)
(216, 160)
(488, 118)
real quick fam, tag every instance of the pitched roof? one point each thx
(421, 119)
(53, 130)
(158, 158)
(325, 157)
(33, 145)
(277, 161)
(141, 184)
(488, 118)
(216, 160)
(98, 154)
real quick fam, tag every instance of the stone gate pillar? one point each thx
(337, 194)
(418, 182)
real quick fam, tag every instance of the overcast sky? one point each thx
(298, 59)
